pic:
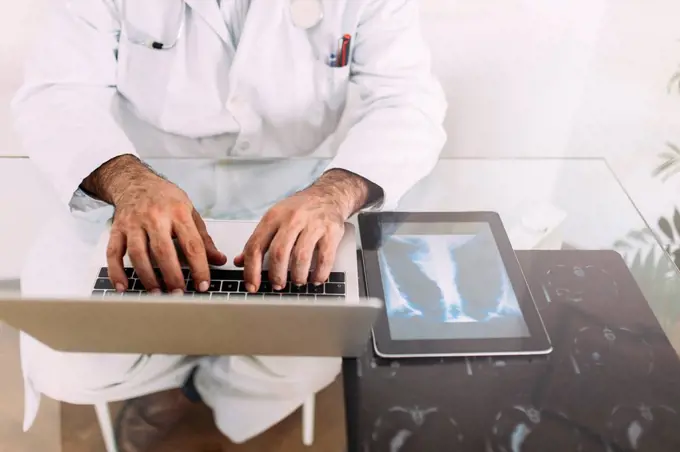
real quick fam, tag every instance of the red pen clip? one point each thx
(343, 52)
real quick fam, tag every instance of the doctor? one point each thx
(273, 77)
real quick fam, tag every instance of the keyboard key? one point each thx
(334, 288)
(202, 295)
(186, 272)
(229, 286)
(138, 285)
(307, 297)
(220, 296)
(237, 296)
(103, 284)
(98, 293)
(265, 287)
(226, 275)
(104, 272)
(134, 294)
(215, 286)
(286, 289)
(337, 277)
(298, 289)
(311, 288)
(255, 296)
(242, 287)
(189, 294)
(112, 294)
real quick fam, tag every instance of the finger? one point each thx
(215, 256)
(240, 260)
(326, 250)
(302, 255)
(115, 251)
(192, 245)
(139, 255)
(279, 255)
(165, 255)
(253, 254)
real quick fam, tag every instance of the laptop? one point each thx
(326, 320)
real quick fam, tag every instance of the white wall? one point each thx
(19, 22)
(513, 70)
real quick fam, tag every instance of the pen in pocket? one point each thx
(344, 50)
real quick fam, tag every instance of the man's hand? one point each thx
(311, 220)
(149, 213)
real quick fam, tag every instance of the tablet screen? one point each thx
(446, 281)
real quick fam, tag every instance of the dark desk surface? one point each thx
(611, 384)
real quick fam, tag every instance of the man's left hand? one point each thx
(311, 220)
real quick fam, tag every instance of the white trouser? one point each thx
(247, 394)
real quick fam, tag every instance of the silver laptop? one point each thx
(328, 320)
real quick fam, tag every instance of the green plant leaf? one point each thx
(676, 219)
(641, 235)
(622, 245)
(674, 82)
(666, 228)
(660, 283)
(665, 169)
(673, 147)
(671, 162)
(668, 155)
(676, 258)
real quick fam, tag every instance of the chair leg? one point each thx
(308, 409)
(106, 426)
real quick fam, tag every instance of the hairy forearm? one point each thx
(351, 191)
(116, 176)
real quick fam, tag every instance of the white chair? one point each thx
(106, 425)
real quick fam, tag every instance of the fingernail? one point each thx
(250, 287)
(177, 292)
(277, 287)
(120, 287)
(203, 286)
(155, 291)
(317, 284)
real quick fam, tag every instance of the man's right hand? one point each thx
(149, 212)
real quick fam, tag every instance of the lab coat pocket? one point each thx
(331, 83)
(330, 87)
(143, 77)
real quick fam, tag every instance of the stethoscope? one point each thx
(305, 14)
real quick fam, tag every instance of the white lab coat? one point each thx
(276, 87)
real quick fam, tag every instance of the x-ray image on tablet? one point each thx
(448, 286)
(451, 284)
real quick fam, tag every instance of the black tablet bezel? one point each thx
(370, 230)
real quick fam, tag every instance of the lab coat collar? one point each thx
(209, 10)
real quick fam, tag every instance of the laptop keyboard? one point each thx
(229, 285)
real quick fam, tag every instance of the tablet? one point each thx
(451, 286)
